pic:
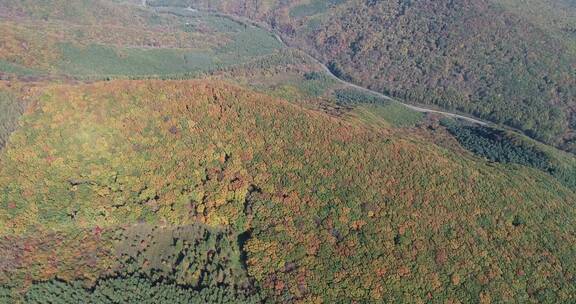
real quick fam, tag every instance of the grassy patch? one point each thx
(222, 24)
(355, 97)
(389, 114)
(376, 110)
(312, 8)
(18, 70)
(250, 42)
(316, 84)
(10, 110)
(98, 60)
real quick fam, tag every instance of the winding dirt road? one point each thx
(375, 93)
(378, 94)
(338, 79)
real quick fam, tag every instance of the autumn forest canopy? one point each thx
(191, 151)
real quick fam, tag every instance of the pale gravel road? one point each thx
(342, 81)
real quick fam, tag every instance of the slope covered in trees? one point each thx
(347, 214)
(507, 147)
(205, 191)
(508, 61)
(103, 39)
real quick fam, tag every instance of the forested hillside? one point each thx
(508, 61)
(158, 154)
(103, 40)
(317, 221)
